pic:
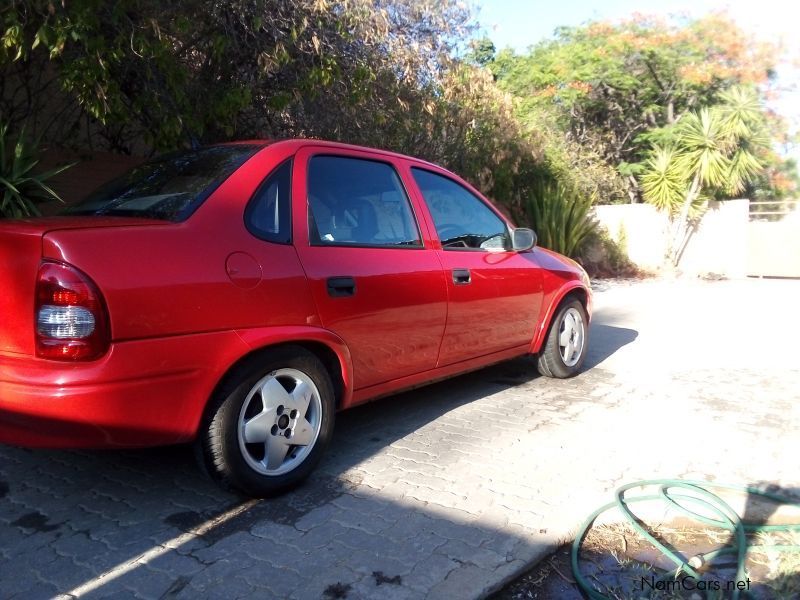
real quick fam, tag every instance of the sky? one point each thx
(519, 23)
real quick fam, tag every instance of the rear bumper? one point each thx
(141, 393)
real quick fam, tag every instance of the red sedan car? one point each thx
(239, 295)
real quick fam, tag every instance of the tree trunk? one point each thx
(633, 189)
(681, 228)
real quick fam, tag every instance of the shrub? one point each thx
(21, 189)
(602, 257)
(561, 217)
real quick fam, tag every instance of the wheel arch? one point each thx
(329, 348)
(565, 294)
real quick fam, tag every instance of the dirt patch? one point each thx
(622, 566)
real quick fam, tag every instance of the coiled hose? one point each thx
(680, 494)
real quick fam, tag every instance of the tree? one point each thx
(710, 152)
(482, 52)
(610, 85)
(135, 75)
(142, 76)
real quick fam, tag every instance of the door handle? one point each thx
(461, 276)
(340, 287)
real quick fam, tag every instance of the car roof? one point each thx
(298, 143)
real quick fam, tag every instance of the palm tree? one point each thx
(713, 150)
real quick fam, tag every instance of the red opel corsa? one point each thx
(239, 295)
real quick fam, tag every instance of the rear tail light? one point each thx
(71, 317)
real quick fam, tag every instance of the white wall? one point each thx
(774, 247)
(640, 230)
(719, 246)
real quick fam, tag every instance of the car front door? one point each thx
(495, 294)
(374, 281)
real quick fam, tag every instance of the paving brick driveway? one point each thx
(443, 492)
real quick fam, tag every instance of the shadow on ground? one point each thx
(68, 517)
(605, 340)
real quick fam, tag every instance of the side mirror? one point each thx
(522, 239)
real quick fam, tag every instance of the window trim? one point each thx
(485, 203)
(420, 245)
(248, 209)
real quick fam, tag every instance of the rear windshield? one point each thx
(170, 187)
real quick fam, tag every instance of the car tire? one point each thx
(278, 397)
(565, 347)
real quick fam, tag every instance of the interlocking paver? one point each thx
(445, 491)
(426, 575)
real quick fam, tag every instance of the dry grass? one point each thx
(614, 558)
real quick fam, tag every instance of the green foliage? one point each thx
(618, 89)
(715, 151)
(140, 75)
(780, 179)
(582, 110)
(630, 169)
(20, 187)
(704, 146)
(482, 52)
(662, 182)
(561, 218)
(601, 256)
(572, 160)
(161, 75)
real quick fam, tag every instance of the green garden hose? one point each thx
(678, 493)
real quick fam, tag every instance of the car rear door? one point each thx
(375, 281)
(495, 294)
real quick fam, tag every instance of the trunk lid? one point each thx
(20, 256)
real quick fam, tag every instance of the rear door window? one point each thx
(358, 202)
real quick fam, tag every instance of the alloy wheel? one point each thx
(279, 422)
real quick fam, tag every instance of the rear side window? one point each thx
(358, 202)
(268, 215)
(170, 187)
(462, 220)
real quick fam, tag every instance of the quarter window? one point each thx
(268, 215)
(462, 220)
(358, 202)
